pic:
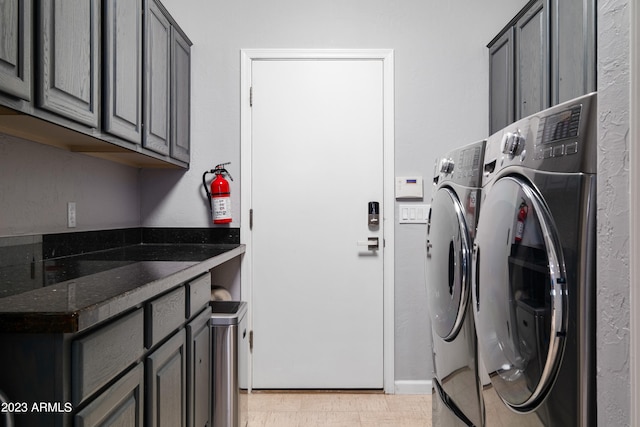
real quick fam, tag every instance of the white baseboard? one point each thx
(413, 387)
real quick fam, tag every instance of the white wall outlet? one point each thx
(71, 214)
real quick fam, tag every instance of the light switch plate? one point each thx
(71, 214)
(413, 214)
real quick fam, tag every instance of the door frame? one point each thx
(388, 203)
(634, 213)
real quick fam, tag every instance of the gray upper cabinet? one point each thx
(122, 69)
(181, 96)
(157, 79)
(532, 53)
(68, 59)
(552, 47)
(15, 48)
(167, 85)
(573, 51)
(112, 77)
(501, 82)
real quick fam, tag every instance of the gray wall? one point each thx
(613, 214)
(37, 182)
(441, 97)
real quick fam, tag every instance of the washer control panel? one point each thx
(558, 134)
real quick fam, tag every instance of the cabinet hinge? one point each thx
(251, 96)
(250, 219)
(251, 341)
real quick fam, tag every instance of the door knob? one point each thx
(372, 243)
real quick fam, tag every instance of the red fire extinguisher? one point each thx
(219, 196)
(522, 217)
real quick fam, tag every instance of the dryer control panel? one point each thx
(562, 138)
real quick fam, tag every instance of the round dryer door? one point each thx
(448, 264)
(519, 293)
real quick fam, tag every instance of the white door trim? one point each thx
(634, 209)
(388, 208)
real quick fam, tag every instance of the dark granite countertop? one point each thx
(77, 292)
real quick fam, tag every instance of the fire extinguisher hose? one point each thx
(204, 184)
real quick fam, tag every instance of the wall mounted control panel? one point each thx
(409, 187)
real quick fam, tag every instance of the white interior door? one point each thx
(316, 163)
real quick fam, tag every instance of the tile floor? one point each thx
(320, 409)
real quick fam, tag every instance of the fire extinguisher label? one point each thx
(519, 230)
(221, 208)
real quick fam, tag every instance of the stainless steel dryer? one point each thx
(450, 231)
(534, 269)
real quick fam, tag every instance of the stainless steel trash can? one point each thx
(230, 345)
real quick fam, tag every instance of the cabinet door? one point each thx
(573, 49)
(119, 406)
(199, 370)
(166, 384)
(181, 96)
(123, 69)
(501, 82)
(67, 78)
(15, 48)
(157, 79)
(532, 53)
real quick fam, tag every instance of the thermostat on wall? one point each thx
(409, 187)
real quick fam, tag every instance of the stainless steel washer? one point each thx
(451, 226)
(534, 269)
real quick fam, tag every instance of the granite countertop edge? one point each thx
(167, 275)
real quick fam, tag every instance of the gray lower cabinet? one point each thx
(120, 405)
(544, 56)
(146, 367)
(101, 356)
(167, 84)
(15, 48)
(167, 383)
(199, 370)
(68, 57)
(164, 315)
(122, 69)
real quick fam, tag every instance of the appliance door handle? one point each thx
(8, 416)
(452, 266)
(476, 286)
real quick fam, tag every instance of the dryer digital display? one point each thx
(561, 126)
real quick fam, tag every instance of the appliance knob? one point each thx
(446, 166)
(512, 143)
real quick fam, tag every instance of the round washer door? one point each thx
(519, 293)
(448, 264)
